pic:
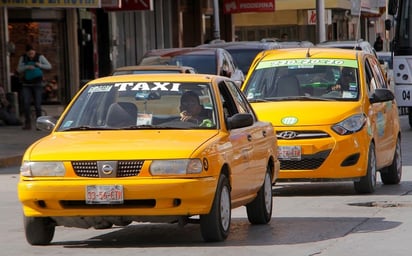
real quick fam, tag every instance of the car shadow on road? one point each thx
(337, 189)
(280, 231)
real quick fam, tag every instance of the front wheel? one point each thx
(367, 183)
(259, 211)
(215, 225)
(393, 173)
(39, 231)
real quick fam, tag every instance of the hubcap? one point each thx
(225, 208)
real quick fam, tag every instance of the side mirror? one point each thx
(388, 24)
(240, 120)
(46, 123)
(382, 95)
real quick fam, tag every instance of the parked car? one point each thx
(349, 44)
(243, 52)
(203, 60)
(333, 114)
(153, 69)
(174, 148)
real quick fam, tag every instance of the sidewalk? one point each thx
(14, 141)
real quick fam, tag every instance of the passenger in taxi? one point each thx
(346, 79)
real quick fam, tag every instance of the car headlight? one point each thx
(350, 125)
(177, 166)
(42, 169)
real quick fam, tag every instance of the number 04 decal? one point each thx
(406, 95)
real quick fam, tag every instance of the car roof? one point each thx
(242, 45)
(183, 77)
(183, 69)
(170, 52)
(349, 44)
(298, 53)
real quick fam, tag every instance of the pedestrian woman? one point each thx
(31, 65)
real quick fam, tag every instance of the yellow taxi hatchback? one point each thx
(122, 153)
(333, 114)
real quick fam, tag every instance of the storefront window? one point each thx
(46, 38)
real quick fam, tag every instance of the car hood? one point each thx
(116, 145)
(306, 113)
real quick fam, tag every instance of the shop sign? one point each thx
(131, 5)
(239, 6)
(312, 17)
(51, 3)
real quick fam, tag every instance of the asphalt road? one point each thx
(308, 219)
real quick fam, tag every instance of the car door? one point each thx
(249, 163)
(382, 113)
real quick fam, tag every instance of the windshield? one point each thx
(304, 79)
(142, 105)
(404, 32)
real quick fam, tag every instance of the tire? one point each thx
(367, 183)
(393, 173)
(259, 211)
(215, 225)
(39, 231)
(410, 116)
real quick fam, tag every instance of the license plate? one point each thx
(104, 194)
(289, 152)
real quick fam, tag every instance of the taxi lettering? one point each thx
(143, 86)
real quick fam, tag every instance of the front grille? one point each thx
(125, 168)
(307, 162)
(300, 135)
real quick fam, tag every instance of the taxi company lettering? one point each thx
(146, 86)
(48, 1)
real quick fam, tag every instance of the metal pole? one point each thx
(216, 30)
(320, 20)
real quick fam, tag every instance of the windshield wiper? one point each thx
(86, 128)
(136, 127)
(257, 100)
(303, 98)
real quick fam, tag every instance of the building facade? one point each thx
(88, 39)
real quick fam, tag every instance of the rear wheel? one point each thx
(259, 211)
(215, 225)
(393, 173)
(39, 231)
(367, 183)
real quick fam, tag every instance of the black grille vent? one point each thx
(125, 168)
(86, 169)
(307, 162)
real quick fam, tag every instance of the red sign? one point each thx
(132, 5)
(238, 6)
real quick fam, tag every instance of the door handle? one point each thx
(264, 133)
(249, 137)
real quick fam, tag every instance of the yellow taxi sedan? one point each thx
(334, 115)
(175, 148)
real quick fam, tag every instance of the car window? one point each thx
(377, 73)
(304, 78)
(135, 104)
(244, 57)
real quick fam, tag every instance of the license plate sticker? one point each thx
(289, 152)
(104, 194)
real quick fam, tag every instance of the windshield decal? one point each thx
(303, 63)
(100, 88)
(144, 86)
